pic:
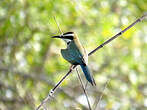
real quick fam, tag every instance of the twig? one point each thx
(82, 85)
(70, 70)
(32, 76)
(55, 87)
(86, 85)
(100, 46)
(43, 102)
(101, 95)
(44, 108)
(117, 35)
(58, 25)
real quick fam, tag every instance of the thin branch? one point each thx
(101, 95)
(86, 85)
(82, 85)
(43, 102)
(32, 76)
(58, 25)
(120, 33)
(93, 51)
(43, 79)
(44, 108)
(70, 70)
(55, 87)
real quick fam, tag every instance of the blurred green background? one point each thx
(31, 63)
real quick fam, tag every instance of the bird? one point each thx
(76, 54)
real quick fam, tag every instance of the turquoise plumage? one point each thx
(76, 54)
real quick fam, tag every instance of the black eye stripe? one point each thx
(68, 37)
(68, 33)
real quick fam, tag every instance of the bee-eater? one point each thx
(76, 54)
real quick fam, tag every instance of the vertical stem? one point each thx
(83, 89)
(58, 25)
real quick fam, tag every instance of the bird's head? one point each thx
(67, 37)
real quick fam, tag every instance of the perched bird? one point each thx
(76, 54)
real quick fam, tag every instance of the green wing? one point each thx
(73, 57)
(68, 57)
(74, 54)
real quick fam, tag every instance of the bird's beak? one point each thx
(61, 36)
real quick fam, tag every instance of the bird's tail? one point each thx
(87, 74)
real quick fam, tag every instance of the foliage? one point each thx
(31, 64)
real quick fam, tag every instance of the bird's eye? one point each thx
(68, 43)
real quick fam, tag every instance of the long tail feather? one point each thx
(87, 74)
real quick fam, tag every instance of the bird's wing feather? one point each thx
(67, 56)
(73, 56)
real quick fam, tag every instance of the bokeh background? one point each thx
(31, 63)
